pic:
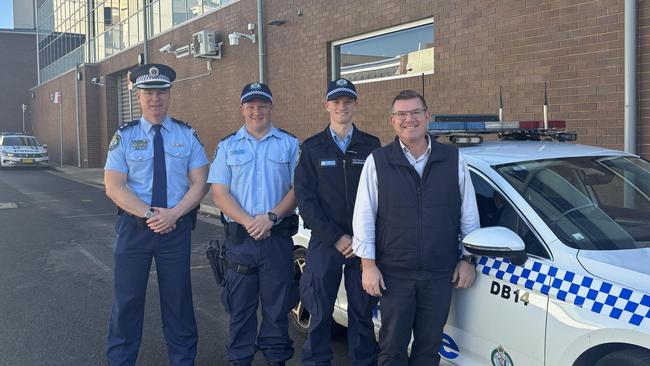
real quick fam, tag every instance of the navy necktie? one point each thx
(159, 191)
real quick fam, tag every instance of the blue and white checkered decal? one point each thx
(599, 296)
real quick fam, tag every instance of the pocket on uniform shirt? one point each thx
(139, 159)
(178, 158)
(278, 162)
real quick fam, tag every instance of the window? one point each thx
(591, 202)
(402, 51)
(495, 210)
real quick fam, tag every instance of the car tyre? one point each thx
(299, 316)
(626, 357)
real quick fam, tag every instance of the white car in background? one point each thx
(17, 149)
(574, 221)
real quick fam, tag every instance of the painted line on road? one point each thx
(88, 215)
(94, 259)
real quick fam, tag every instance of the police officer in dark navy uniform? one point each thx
(251, 176)
(156, 174)
(326, 183)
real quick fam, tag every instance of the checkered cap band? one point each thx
(600, 297)
(339, 90)
(256, 92)
(150, 81)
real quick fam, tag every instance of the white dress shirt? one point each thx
(365, 207)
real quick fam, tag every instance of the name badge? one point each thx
(238, 152)
(356, 161)
(178, 145)
(140, 144)
(328, 163)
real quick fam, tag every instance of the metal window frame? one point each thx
(335, 49)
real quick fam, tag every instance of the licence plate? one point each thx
(28, 161)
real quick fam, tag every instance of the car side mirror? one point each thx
(497, 241)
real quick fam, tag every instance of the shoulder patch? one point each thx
(288, 133)
(126, 125)
(181, 123)
(115, 142)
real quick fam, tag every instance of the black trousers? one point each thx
(417, 306)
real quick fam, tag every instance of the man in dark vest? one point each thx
(415, 198)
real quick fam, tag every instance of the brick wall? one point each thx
(17, 74)
(46, 117)
(574, 46)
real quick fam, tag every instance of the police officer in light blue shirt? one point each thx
(251, 178)
(156, 174)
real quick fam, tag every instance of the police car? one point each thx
(563, 274)
(18, 149)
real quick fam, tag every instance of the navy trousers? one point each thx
(273, 285)
(134, 249)
(318, 289)
(417, 306)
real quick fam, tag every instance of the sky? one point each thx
(6, 14)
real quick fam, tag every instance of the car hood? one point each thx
(628, 268)
(23, 149)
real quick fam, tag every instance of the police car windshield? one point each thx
(590, 203)
(20, 141)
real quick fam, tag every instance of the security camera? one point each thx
(233, 39)
(166, 48)
(93, 80)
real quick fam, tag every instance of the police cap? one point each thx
(256, 91)
(152, 76)
(340, 88)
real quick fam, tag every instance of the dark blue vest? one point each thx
(418, 219)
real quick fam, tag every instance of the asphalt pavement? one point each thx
(56, 238)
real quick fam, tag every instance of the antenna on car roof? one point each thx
(500, 105)
(545, 108)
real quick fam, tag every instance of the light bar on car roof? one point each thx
(467, 133)
(491, 127)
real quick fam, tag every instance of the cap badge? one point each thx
(341, 82)
(256, 86)
(153, 71)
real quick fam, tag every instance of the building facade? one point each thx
(17, 76)
(458, 53)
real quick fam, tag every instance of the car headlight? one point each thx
(10, 155)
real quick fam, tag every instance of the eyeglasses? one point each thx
(415, 114)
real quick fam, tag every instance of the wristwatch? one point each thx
(469, 259)
(149, 213)
(272, 216)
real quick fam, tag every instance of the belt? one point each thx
(241, 268)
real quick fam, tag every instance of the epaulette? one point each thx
(288, 133)
(126, 125)
(313, 138)
(181, 123)
(227, 137)
(366, 134)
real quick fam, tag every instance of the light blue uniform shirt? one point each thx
(342, 144)
(259, 173)
(131, 152)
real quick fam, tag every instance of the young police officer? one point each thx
(251, 178)
(415, 197)
(326, 185)
(156, 174)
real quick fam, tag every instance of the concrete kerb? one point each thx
(94, 177)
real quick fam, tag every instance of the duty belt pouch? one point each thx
(287, 228)
(233, 230)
